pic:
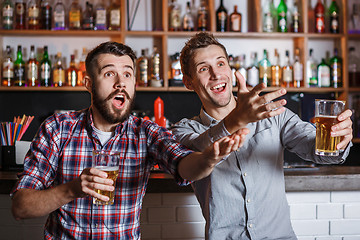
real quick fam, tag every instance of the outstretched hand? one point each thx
(251, 107)
(224, 146)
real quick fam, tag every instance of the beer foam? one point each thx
(107, 168)
(326, 116)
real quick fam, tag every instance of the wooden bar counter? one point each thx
(324, 178)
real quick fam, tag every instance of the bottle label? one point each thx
(115, 18)
(324, 76)
(202, 20)
(45, 71)
(59, 19)
(8, 69)
(143, 67)
(59, 77)
(32, 71)
(334, 24)
(175, 21)
(74, 19)
(298, 71)
(287, 75)
(236, 23)
(33, 12)
(268, 23)
(253, 76)
(100, 17)
(19, 72)
(8, 11)
(20, 8)
(320, 24)
(336, 72)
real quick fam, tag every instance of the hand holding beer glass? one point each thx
(107, 161)
(326, 113)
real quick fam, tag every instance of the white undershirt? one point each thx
(103, 136)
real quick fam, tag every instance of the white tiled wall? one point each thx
(167, 216)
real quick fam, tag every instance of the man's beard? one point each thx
(101, 105)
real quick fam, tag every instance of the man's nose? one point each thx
(213, 73)
(119, 83)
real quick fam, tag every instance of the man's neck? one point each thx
(219, 113)
(100, 123)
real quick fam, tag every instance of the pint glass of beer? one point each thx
(326, 113)
(107, 161)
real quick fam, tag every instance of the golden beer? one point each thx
(112, 173)
(325, 144)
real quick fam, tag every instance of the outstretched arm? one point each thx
(198, 165)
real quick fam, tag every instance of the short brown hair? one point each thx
(200, 40)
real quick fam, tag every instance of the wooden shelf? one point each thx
(57, 33)
(356, 140)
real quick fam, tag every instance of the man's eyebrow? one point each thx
(203, 62)
(112, 65)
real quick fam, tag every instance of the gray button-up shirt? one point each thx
(244, 197)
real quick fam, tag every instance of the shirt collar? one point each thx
(206, 119)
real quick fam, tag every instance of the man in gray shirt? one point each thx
(244, 195)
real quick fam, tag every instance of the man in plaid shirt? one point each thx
(58, 178)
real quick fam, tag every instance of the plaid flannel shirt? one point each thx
(63, 148)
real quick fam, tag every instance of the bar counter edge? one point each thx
(324, 178)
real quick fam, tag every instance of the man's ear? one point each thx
(188, 82)
(88, 83)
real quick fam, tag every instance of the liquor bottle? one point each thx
(88, 22)
(33, 15)
(334, 17)
(45, 69)
(194, 10)
(71, 72)
(319, 17)
(32, 69)
(174, 16)
(295, 25)
(58, 72)
(155, 79)
(233, 69)
(7, 77)
(354, 24)
(7, 17)
(176, 73)
(188, 21)
(143, 73)
(235, 21)
(253, 71)
(354, 68)
(268, 21)
(287, 72)
(20, 14)
(276, 72)
(311, 71)
(114, 16)
(59, 16)
(323, 73)
(221, 18)
(75, 15)
(336, 70)
(19, 69)
(46, 14)
(81, 68)
(298, 70)
(265, 70)
(100, 17)
(282, 18)
(202, 17)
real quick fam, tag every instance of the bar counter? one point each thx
(324, 178)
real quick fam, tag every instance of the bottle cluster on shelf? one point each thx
(32, 15)
(291, 74)
(354, 19)
(197, 18)
(39, 71)
(282, 19)
(148, 69)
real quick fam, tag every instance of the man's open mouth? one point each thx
(219, 87)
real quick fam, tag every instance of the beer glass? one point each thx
(326, 113)
(107, 161)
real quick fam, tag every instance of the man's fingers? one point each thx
(241, 82)
(273, 95)
(344, 115)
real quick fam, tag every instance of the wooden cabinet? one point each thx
(254, 39)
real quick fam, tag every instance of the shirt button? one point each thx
(96, 225)
(250, 225)
(248, 200)
(245, 174)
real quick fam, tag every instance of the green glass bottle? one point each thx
(336, 70)
(334, 17)
(265, 70)
(45, 69)
(19, 69)
(281, 14)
